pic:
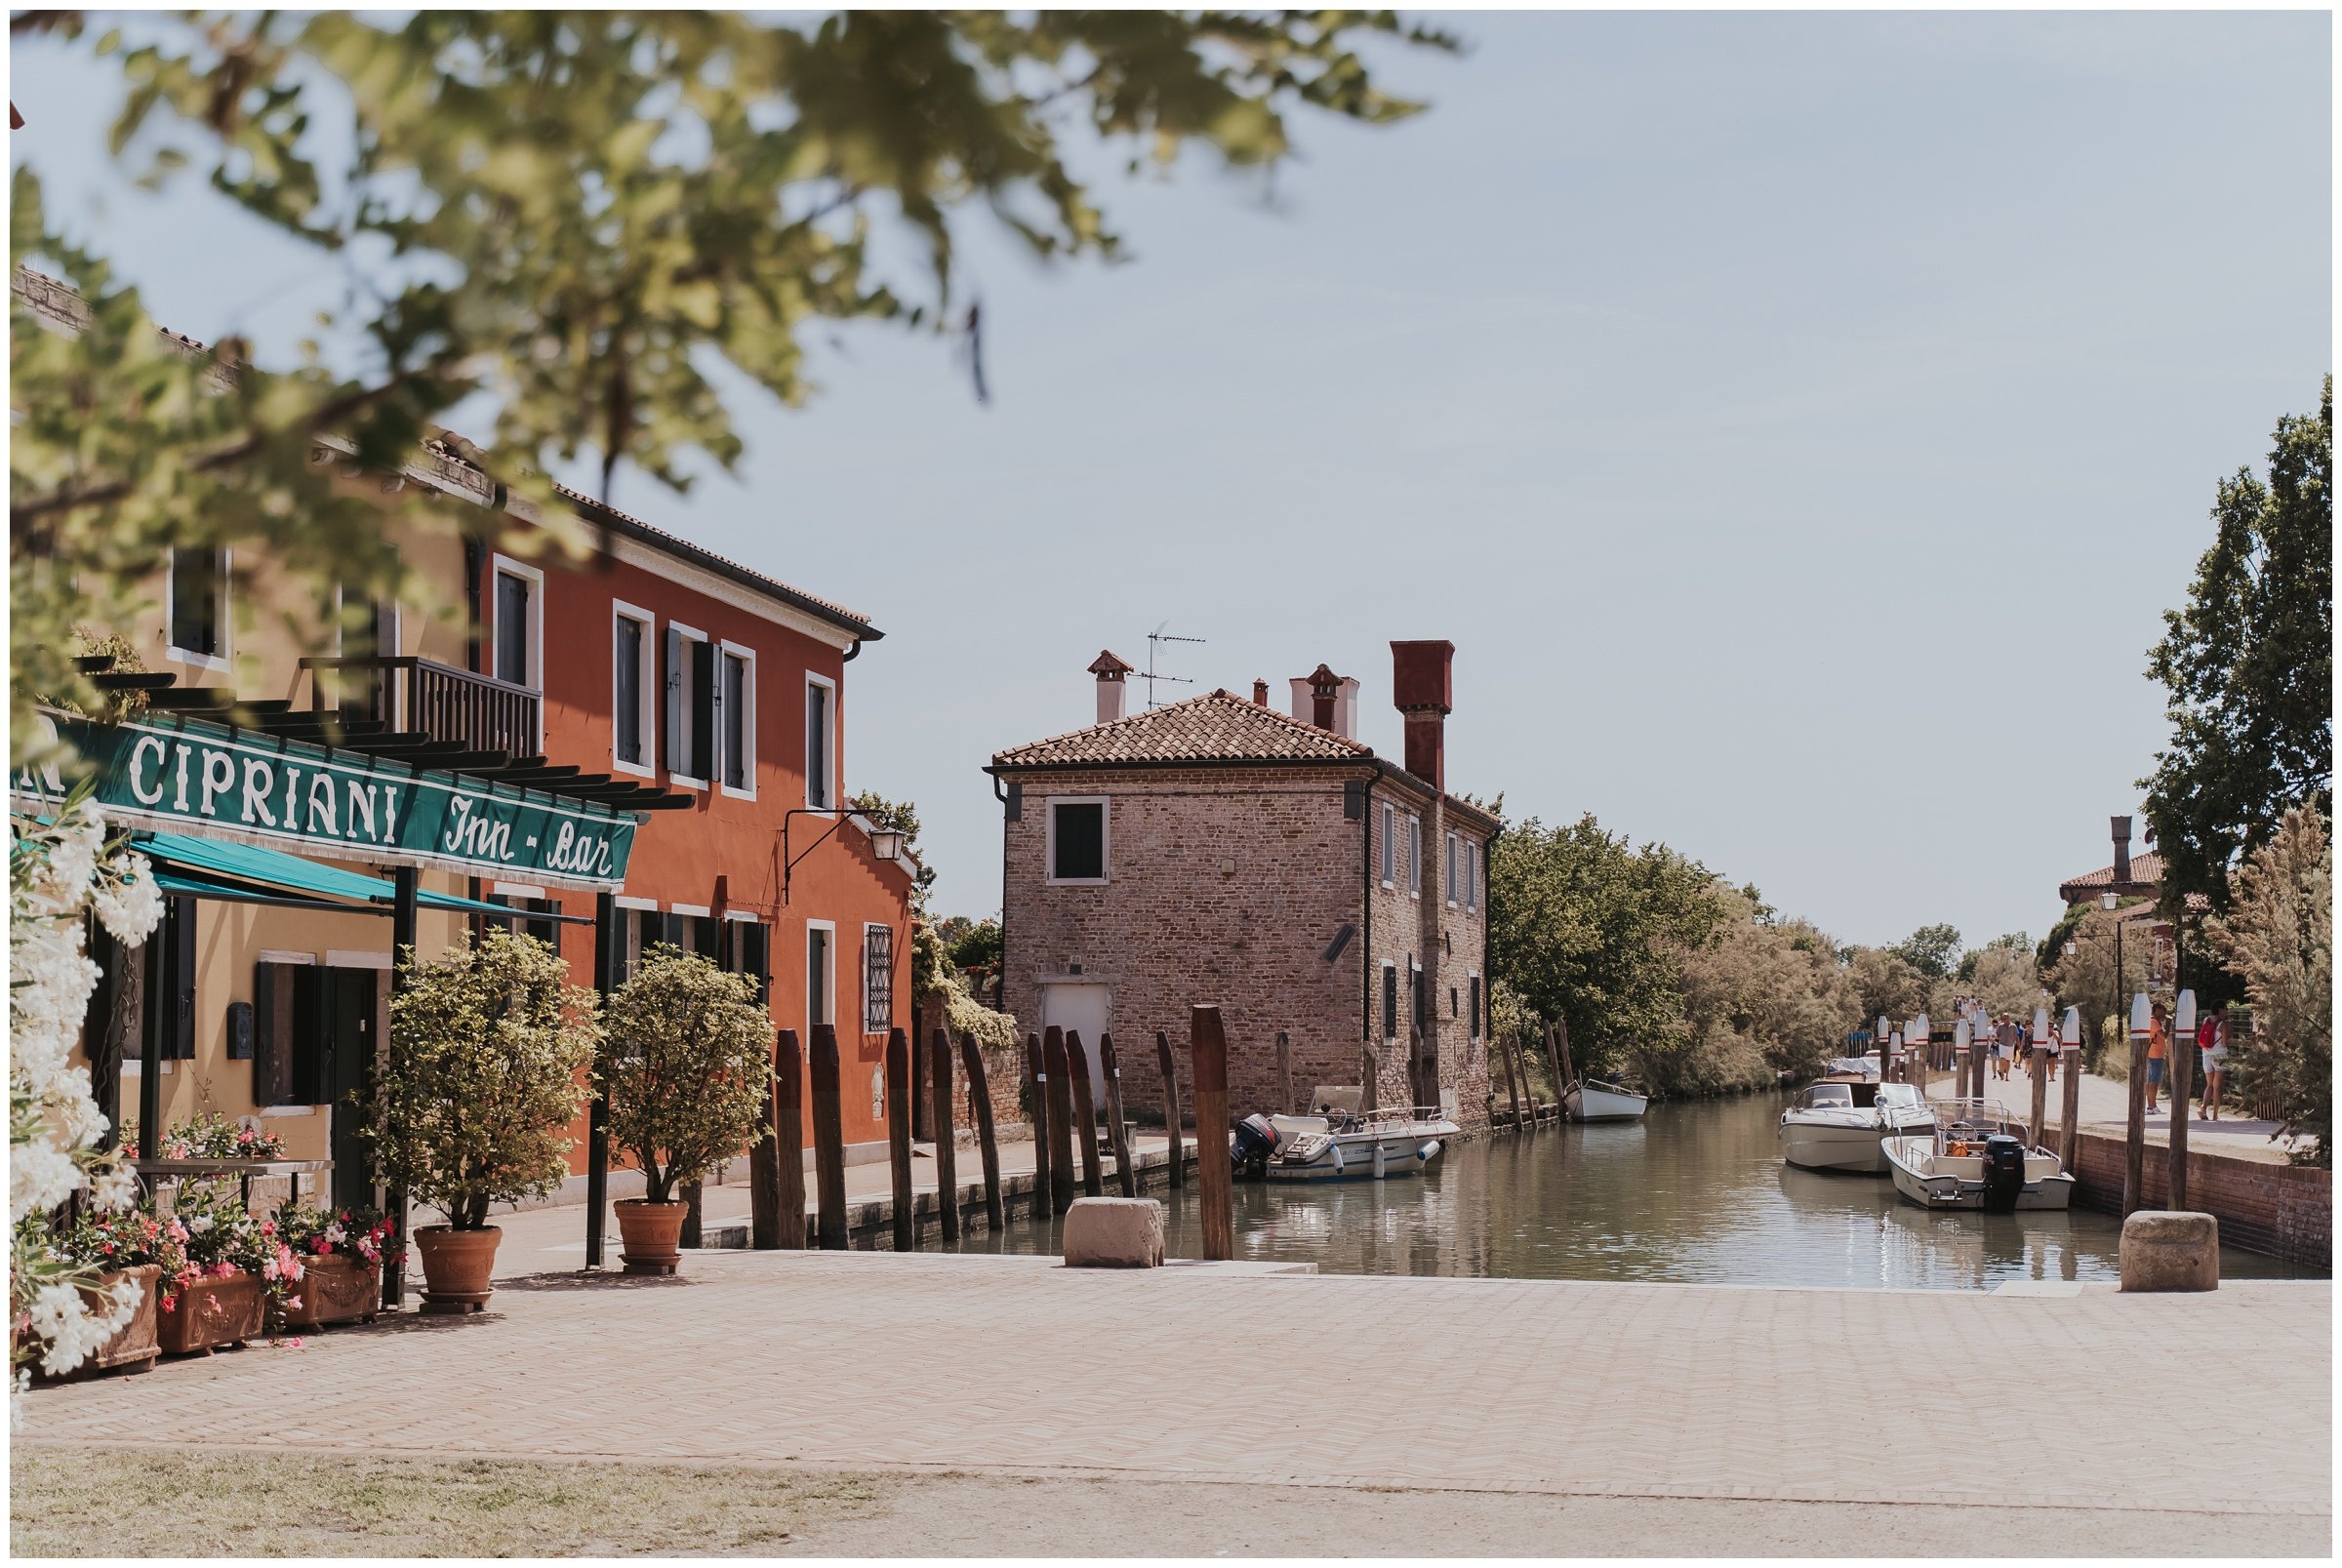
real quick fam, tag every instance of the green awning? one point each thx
(204, 866)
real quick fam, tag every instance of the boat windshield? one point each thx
(1830, 1095)
(1899, 1094)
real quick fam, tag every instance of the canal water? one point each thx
(1694, 1192)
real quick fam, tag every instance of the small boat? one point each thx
(1977, 1159)
(1591, 1099)
(1341, 1141)
(1838, 1122)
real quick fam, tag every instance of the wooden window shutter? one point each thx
(275, 1009)
(182, 980)
(670, 728)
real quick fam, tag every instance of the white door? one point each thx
(1081, 1008)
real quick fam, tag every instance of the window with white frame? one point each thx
(688, 685)
(877, 978)
(736, 711)
(821, 937)
(1472, 876)
(1077, 840)
(198, 628)
(1450, 888)
(516, 627)
(1389, 844)
(821, 744)
(633, 666)
(1414, 855)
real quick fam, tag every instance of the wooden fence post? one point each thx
(947, 1145)
(2134, 1131)
(1061, 1119)
(979, 1105)
(1284, 1074)
(1171, 1117)
(764, 1173)
(2181, 1071)
(829, 1140)
(789, 1140)
(1085, 1116)
(693, 1198)
(1511, 1081)
(1126, 1177)
(1036, 1082)
(898, 1135)
(1209, 1048)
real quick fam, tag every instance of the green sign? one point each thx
(190, 776)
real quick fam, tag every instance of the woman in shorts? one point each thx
(2158, 1047)
(2212, 1037)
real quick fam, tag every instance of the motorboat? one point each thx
(1977, 1157)
(1591, 1099)
(1339, 1141)
(1838, 1123)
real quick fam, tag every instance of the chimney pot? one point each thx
(1111, 688)
(2122, 849)
(1260, 693)
(1421, 689)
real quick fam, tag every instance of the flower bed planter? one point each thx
(648, 1235)
(211, 1312)
(134, 1345)
(456, 1266)
(340, 1288)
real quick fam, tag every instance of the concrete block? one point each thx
(2171, 1252)
(1115, 1234)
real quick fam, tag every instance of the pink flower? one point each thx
(267, 1227)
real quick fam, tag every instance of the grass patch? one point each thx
(204, 1503)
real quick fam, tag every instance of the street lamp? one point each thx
(886, 843)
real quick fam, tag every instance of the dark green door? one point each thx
(354, 1018)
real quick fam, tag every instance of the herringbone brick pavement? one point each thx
(873, 1360)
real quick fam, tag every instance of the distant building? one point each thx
(2129, 877)
(1218, 851)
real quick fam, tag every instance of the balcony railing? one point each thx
(415, 694)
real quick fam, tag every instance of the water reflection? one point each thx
(1693, 1193)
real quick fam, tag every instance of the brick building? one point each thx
(1218, 851)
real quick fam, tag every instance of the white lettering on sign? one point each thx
(361, 804)
(219, 776)
(291, 798)
(321, 805)
(587, 855)
(260, 783)
(180, 803)
(139, 791)
(470, 832)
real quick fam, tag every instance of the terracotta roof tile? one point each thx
(1215, 727)
(2145, 869)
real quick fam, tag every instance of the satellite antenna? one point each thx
(1155, 642)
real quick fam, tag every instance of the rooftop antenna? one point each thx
(1155, 641)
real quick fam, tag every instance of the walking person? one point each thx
(2212, 1037)
(2004, 1046)
(2158, 1050)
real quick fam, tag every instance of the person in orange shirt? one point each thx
(2159, 1048)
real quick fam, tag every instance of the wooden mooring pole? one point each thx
(764, 1168)
(1284, 1074)
(1061, 1119)
(2040, 1096)
(946, 1141)
(1208, 1049)
(1036, 1093)
(2181, 1071)
(1126, 1175)
(898, 1136)
(988, 1146)
(1171, 1117)
(829, 1141)
(1510, 1050)
(2134, 1131)
(2070, 1143)
(1085, 1116)
(789, 1140)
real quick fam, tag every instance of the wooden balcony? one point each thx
(417, 695)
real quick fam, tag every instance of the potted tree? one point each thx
(687, 1063)
(473, 1098)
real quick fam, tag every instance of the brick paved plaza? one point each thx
(1243, 1373)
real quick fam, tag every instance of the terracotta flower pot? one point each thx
(134, 1343)
(647, 1234)
(456, 1266)
(211, 1312)
(342, 1288)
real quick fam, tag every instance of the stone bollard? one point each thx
(2170, 1251)
(1115, 1234)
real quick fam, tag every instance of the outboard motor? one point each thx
(1256, 1141)
(2003, 1172)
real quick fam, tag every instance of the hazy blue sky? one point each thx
(1798, 423)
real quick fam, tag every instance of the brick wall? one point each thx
(2285, 1211)
(1227, 886)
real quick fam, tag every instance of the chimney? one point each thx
(1260, 693)
(1326, 692)
(1345, 709)
(1109, 671)
(1421, 689)
(2121, 850)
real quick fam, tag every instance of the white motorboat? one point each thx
(1977, 1159)
(1591, 1099)
(1342, 1143)
(1838, 1123)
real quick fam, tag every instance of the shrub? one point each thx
(485, 1068)
(687, 1065)
(2278, 938)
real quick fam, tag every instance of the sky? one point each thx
(1799, 424)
